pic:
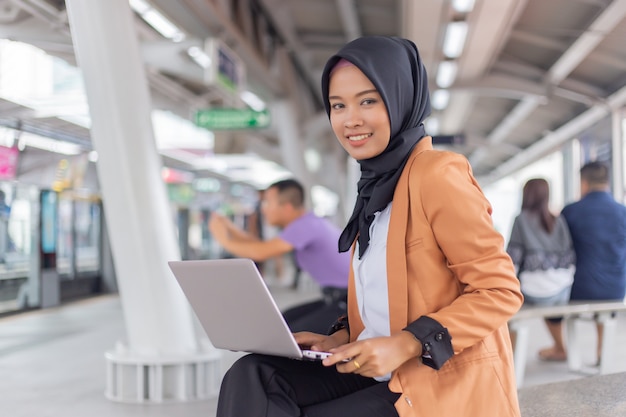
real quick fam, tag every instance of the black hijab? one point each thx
(395, 68)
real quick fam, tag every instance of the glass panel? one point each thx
(65, 239)
(16, 207)
(87, 226)
(201, 243)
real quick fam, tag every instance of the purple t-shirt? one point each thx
(314, 240)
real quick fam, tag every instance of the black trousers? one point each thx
(317, 316)
(269, 386)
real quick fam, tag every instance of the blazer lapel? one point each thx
(396, 245)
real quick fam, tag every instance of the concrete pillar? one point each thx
(618, 137)
(291, 140)
(288, 120)
(141, 228)
(571, 176)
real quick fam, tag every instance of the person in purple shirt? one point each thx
(314, 241)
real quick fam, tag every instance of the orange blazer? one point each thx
(446, 261)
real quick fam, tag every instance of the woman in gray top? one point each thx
(542, 251)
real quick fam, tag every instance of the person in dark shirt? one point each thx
(597, 225)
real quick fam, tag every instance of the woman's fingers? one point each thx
(355, 365)
(373, 357)
(342, 356)
(308, 338)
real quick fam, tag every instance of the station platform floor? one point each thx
(52, 361)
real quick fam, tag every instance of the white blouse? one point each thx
(370, 277)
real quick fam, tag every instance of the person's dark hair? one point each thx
(290, 191)
(535, 199)
(595, 173)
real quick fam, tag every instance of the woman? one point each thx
(542, 251)
(431, 288)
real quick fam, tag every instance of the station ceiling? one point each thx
(531, 74)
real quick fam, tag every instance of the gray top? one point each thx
(532, 248)
(595, 396)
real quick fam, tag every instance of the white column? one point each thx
(291, 140)
(617, 163)
(159, 323)
(141, 227)
(287, 114)
(571, 167)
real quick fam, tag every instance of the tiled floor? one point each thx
(52, 363)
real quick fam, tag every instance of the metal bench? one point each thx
(600, 311)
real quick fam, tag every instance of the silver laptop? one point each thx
(236, 308)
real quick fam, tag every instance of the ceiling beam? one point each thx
(282, 22)
(506, 86)
(183, 17)
(422, 24)
(534, 39)
(597, 31)
(350, 19)
(490, 24)
(521, 111)
(10, 13)
(211, 15)
(553, 140)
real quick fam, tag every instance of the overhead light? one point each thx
(463, 6)
(21, 143)
(259, 172)
(199, 56)
(432, 125)
(174, 132)
(24, 139)
(440, 99)
(454, 41)
(252, 100)
(50, 145)
(140, 6)
(313, 159)
(325, 201)
(162, 25)
(157, 20)
(210, 162)
(446, 73)
(8, 136)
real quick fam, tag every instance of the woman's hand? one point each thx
(377, 356)
(320, 342)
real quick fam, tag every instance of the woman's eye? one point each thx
(368, 101)
(336, 106)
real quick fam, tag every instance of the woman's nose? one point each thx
(353, 119)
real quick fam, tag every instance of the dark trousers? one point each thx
(270, 386)
(317, 316)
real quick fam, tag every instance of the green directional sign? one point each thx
(226, 119)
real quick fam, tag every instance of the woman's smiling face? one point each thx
(358, 114)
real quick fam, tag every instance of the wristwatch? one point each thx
(341, 323)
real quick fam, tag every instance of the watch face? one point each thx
(341, 323)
